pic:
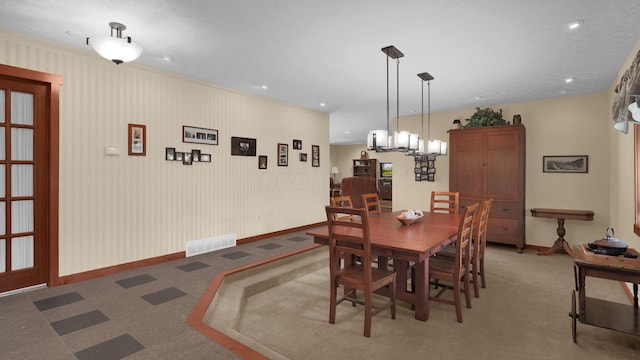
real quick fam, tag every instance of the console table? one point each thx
(561, 215)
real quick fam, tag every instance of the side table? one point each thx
(561, 215)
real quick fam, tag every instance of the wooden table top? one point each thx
(584, 257)
(586, 215)
(422, 237)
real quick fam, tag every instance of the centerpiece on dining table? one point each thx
(410, 217)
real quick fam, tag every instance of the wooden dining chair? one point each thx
(371, 203)
(482, 240)
(478, 245)
(445, 202)
(342, 201)
(449, 275)
(349, 240)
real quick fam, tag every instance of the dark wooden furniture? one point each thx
(354, 276)
(371, 203)
(561, 215)
(334, 188)
(385, 188)
(489, 162)
(601, 313)
(445, 202)
(356, 186)
(365, 167)
(457, 270)
(414, 243)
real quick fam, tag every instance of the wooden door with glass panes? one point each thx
(24, 179)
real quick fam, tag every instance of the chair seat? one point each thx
(442, 267)
(351, 276)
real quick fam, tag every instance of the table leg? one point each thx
(635, 295)
(422, 290)
(560, 242)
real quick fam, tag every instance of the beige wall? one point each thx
(117, 209)
(621, 169)
(570, 125)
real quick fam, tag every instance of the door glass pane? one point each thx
(22, 252)
(3, 256)
(2, 143)
(2, 181)
(22, 216)
(3, 218)
(21, 108)
(21, 144)
(3, 106)
(21, 180)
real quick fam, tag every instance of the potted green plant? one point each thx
(485, 117)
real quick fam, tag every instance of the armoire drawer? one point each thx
(505, 231)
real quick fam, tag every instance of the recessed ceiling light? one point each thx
(167, 58)
(568, 80)
(478, 98)
(348, 132)
(576, 24)
(322, 104)
(264, 87)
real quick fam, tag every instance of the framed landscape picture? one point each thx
(565, 164)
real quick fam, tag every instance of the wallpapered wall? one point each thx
(118, 208)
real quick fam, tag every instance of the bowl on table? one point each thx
(410, 217)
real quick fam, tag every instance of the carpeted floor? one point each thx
(522, 314)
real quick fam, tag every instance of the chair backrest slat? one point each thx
(371, 203)
(445, 202)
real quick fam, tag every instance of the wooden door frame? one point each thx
(52, 83)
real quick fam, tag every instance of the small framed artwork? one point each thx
(303, 157)
(137, 140)
(170, 154)
(283, 154)
(192, 134)
(315, 155)
(187, 159)
(243, 146)
(195, 155)
(297, 144)
(565, 164)
(262, 162)
(179, 156)
(205, 157)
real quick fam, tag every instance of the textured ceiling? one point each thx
(481, 52)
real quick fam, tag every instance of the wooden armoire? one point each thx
(489, 162)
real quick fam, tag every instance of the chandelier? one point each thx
(381, 140)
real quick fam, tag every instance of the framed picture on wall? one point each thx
(297, 144)
(315, 155)
(205, 157)
(283, 154)
(187, 159)
(192, 134)
(243, 146)
(179, 156)
(195, 155)
(303, 157)
(262, 162)
(170, 154)
(565, 164)
(137, 140)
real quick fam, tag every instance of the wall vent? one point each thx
(197, 247)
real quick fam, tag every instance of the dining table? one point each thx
(407, 245)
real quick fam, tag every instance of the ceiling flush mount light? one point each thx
(380, 140)
(568, 80)
(115, 48)
(575, 24)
